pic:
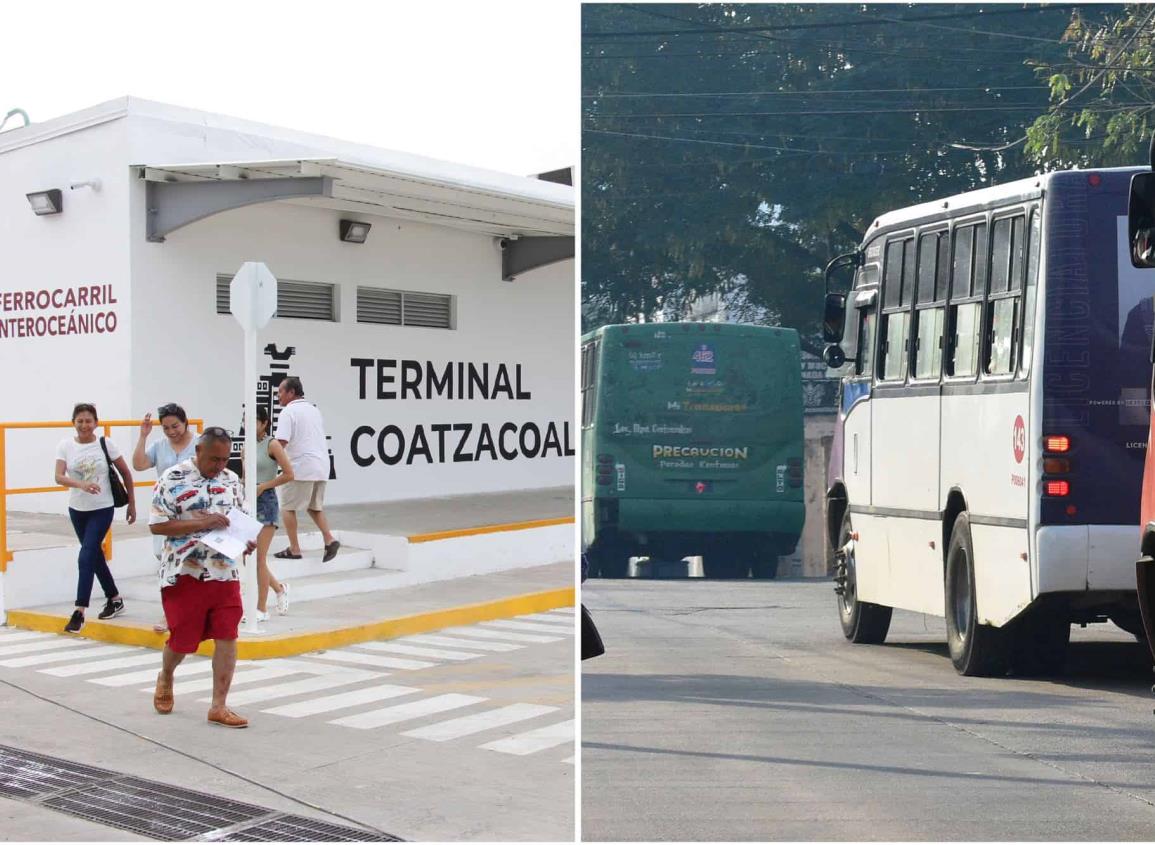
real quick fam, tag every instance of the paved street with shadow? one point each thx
(737, 711)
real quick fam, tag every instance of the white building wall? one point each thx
(170, 344)
(43, 374)
(196, 355)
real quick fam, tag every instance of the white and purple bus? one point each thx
(995, 349)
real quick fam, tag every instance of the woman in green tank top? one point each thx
(271, 457)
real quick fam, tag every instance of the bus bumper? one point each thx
(646, 516)
(1076, 558)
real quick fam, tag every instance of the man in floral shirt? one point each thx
(200, 587)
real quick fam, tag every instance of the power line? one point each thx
(841, 91)
(728, 30)
(914, 110)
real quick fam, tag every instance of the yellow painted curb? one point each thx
(490, 529)
(294, 644)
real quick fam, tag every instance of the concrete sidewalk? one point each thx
(404, 518)
(342, 620)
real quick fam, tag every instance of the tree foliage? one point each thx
(1102, 95)
(741, 147)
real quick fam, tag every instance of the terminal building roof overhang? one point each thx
(351, 187)
(535, 229)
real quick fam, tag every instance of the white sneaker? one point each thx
(283, 600)
(261, 617)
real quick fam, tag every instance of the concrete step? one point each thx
(311, 581)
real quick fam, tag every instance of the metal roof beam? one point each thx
(518, 256)
(171, 205)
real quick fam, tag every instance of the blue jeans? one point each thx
(90, 527)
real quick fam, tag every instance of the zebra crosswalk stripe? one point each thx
(409, 710)
(251, 676)
(59, 656)
(461, 642)
(322, 682)
(418, 651)
(345, 655)
(535, 740)
(509, 636)
(150, 673)
(478, 722)
(341, 700)
(97, 666)
(54, 644)
(529, 627)
(562, 622)
(11, 635)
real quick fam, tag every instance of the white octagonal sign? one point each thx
(253, 295)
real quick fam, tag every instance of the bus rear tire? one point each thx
(975, 649)
(608, 560)
(862, 621)
(766, 566)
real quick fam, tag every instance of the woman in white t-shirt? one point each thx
(177, 446)
(82, 466)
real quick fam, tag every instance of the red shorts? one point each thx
(200, 610)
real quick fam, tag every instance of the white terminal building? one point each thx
(426, 306)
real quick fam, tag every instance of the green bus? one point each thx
(691, 445)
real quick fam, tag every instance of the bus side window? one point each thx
(589, 380)
(963, 323)
(929, 313)
(865, 357)
(1031, 285)
(898, 292)
(1003, 309)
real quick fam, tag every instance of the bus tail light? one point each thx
(794, 472)
(1056, 466)
(605, 472)
(1056, 443)
(1057, 487)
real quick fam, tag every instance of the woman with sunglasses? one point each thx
(177, 445)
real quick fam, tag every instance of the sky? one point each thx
(492, 84)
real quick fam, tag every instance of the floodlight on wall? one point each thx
(354, 231)
(46, 202)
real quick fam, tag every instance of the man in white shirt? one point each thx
(302, 432)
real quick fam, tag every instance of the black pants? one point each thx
(90, 527)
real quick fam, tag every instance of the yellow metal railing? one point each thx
(107, 425)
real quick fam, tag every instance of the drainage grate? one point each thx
(27, 775)
(153, 809)
(302, 829)
(156, 810)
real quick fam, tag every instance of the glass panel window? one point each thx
(964, 240)
(908, 256)
(892, 278)
(979, 279)
(1003, 322)
(1031, 281)
(895, 351)
(942, 276)
(966, 339)
(927, 266)
(865, 342)
(928, 353)
(1001, 256)
(1018, 251)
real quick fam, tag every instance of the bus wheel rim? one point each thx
(962, 595)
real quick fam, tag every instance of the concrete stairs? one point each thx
(353, 570)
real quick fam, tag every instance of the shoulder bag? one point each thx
(119, 494)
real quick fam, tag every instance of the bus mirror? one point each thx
(833, 317)
(1141, 220)
(834, 356)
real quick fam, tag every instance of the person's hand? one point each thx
(131, 517)
(262, 487)
(91, 487)
(213, 521)
(250, 547)
(146, 425)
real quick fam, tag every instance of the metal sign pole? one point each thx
(253, 301)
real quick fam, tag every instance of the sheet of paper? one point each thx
(231, 541)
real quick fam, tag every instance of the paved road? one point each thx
(462, 734)
(736, 711)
